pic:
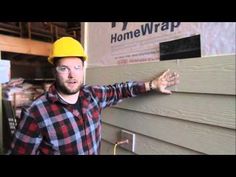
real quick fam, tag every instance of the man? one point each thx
(67, 118)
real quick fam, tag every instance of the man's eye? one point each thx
(77, 67)
(63, 68)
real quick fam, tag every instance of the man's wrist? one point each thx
(149, 85)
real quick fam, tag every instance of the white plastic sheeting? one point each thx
(118, 43)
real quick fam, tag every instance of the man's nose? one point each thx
(71, 74)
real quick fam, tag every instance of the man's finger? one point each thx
(171, 83)
(165, 73)
(166, 92)
(172, 78)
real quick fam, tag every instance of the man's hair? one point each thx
(56, 60)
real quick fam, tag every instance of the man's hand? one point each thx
(165, 80)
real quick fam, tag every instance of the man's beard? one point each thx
(65, 90)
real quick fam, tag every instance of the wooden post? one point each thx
(29, 30)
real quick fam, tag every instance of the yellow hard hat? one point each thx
(66, 47)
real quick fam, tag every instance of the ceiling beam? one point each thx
(24, 46)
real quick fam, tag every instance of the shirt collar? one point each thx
(52, 94)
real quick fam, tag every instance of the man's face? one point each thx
(69, 75)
